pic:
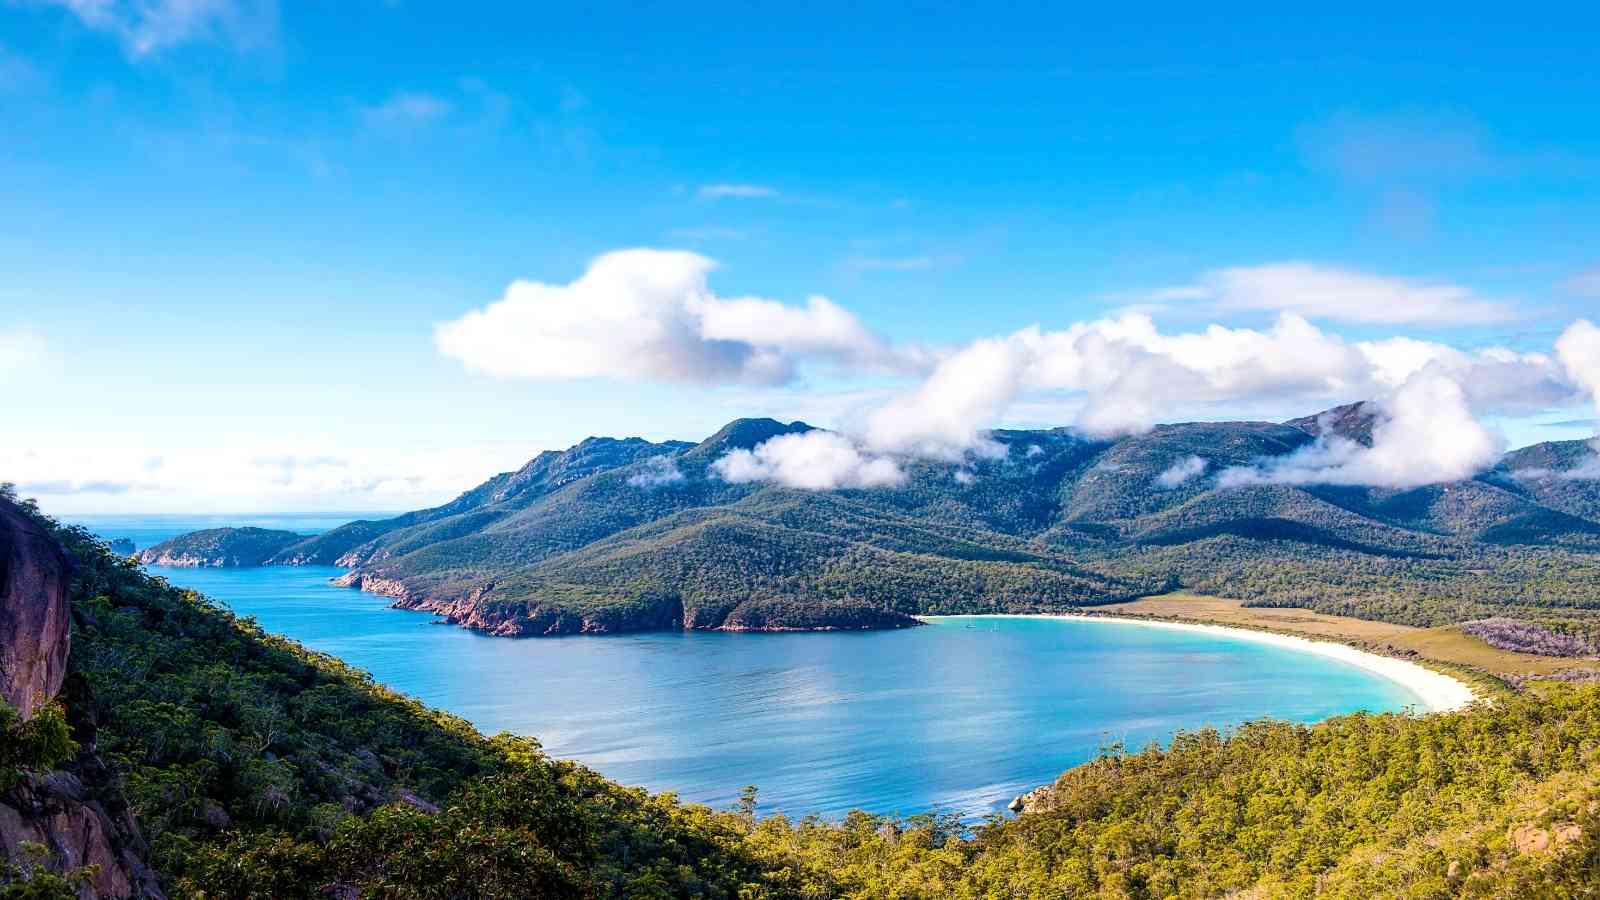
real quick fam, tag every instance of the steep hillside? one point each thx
(228, 763)
(618, 535)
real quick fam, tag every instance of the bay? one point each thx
(958, 716)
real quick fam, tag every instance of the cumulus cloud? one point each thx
(1427, 399)
(815, 460)
(741, 191)
(1325, 292)
(649, 314)
(1182, 472)
(1578, 348)
(147, 27)
(1130, 375)
(946, 416)
(658, 471)
(1425, 434)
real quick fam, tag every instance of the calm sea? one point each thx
(959, 716)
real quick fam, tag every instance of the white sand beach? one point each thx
(1436, 691)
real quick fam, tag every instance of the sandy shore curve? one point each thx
(1436, 691)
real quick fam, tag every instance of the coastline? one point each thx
(1436, 691)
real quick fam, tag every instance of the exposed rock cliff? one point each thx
(34, 612)
(75, 813)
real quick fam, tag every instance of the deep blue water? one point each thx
(959, 716)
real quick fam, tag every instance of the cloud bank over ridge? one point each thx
(651, 315)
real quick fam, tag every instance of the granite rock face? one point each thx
(76, 813)
(35, 614)
(55, 811)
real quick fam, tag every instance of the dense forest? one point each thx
(617, 535)
(256, 768)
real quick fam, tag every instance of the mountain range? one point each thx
(624, 535)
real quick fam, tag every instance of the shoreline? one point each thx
(1436, 691)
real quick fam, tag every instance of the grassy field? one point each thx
(1448, 644)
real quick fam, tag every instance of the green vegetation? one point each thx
(30, 879)
(37, 745)
(259, 769)
(618, 535)
(221, 547)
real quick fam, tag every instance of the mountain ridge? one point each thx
(625, 534)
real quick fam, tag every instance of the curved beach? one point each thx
(1437, 692)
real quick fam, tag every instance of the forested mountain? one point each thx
(614, 535)
(183, 752)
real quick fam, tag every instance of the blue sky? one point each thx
(231, 227)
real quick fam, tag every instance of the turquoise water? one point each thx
(958, 716)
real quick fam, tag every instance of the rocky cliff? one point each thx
(75, 813)
(34, 612)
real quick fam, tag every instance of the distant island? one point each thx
(616, 535)
(219, 547)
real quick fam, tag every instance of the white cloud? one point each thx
(1325, 292)
(406, 109)
(658, 471)
(1130, 375)
(1578, 348)
(147, 27)
(649, 314)
(1182, 472)
(815, 460)
(21, 349)
(740, 191)
(945, 416)
(1425, 434)
(1589, 470)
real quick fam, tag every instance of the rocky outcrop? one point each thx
(76, 814)
(58, 813)
(35, 614)
(1036, 800)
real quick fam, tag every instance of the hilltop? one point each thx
(625, 534)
